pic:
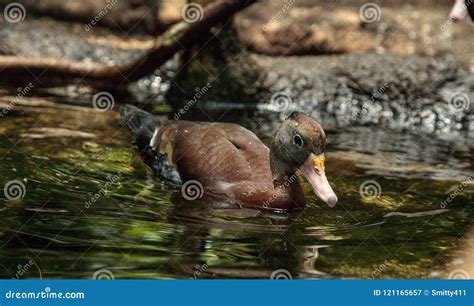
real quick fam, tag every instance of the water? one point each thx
(92, 209)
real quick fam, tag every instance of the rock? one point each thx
(52, 39)
(309, 28)
(399, 92)
(396, 89)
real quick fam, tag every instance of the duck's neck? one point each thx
(286, 184)
(282, 175)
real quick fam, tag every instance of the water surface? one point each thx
(91, 207)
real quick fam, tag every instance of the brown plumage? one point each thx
(230, 162)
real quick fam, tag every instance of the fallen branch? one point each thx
(179, 36)
(120, 14)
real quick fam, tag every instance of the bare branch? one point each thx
(179, 36)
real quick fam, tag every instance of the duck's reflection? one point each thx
(308, 264)
(213, 244)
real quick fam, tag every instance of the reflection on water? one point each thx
(90, 204)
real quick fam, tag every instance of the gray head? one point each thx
(299, 144)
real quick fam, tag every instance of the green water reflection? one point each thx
(91, 204)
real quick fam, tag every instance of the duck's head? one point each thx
(298, 146)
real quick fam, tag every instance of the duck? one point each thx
(225, 162)
(460, 9)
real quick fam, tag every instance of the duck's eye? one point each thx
(297, 140)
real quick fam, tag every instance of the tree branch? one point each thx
(179, 36)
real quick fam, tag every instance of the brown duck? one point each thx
(226, 162)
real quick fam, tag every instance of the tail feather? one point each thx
(142, 125)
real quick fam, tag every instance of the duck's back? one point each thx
(227, 159)
(215, 154)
